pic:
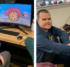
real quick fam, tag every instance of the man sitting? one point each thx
(48, 47)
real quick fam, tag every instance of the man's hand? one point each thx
(2, 60)
(68, 44)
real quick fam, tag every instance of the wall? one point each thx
(59, 13)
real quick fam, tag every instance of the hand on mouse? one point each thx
(2, 60)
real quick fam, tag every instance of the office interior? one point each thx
(20, 56)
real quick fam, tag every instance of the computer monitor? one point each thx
(18, 14)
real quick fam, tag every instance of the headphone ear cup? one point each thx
(67, 28)
(65, 25)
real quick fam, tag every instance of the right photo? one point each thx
(52, 33)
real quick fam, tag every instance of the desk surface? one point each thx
(13, 39)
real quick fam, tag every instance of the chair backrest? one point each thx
(30, 46)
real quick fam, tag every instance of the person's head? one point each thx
(44, 19)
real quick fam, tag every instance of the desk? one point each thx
(19, 53)
(13, 39)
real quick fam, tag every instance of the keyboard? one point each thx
(9, 32)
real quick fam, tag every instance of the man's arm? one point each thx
(62, 34)
(49, 46)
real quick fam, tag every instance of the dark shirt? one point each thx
(48, 57)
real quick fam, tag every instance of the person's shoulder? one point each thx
(38, 29)
(53, 28)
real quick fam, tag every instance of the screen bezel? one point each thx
(20, 24)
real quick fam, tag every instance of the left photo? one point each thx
(16, 33)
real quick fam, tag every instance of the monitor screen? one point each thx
(16, 14)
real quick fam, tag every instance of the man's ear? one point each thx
(37, 19)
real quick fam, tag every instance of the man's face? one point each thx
(44, 20)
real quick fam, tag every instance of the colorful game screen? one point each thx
(16, 14)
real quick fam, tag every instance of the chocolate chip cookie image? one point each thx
(13, 16)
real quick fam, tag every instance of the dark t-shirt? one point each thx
(48, 57)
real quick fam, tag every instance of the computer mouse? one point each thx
(19, 37)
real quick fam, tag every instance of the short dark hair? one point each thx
(43, 11)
